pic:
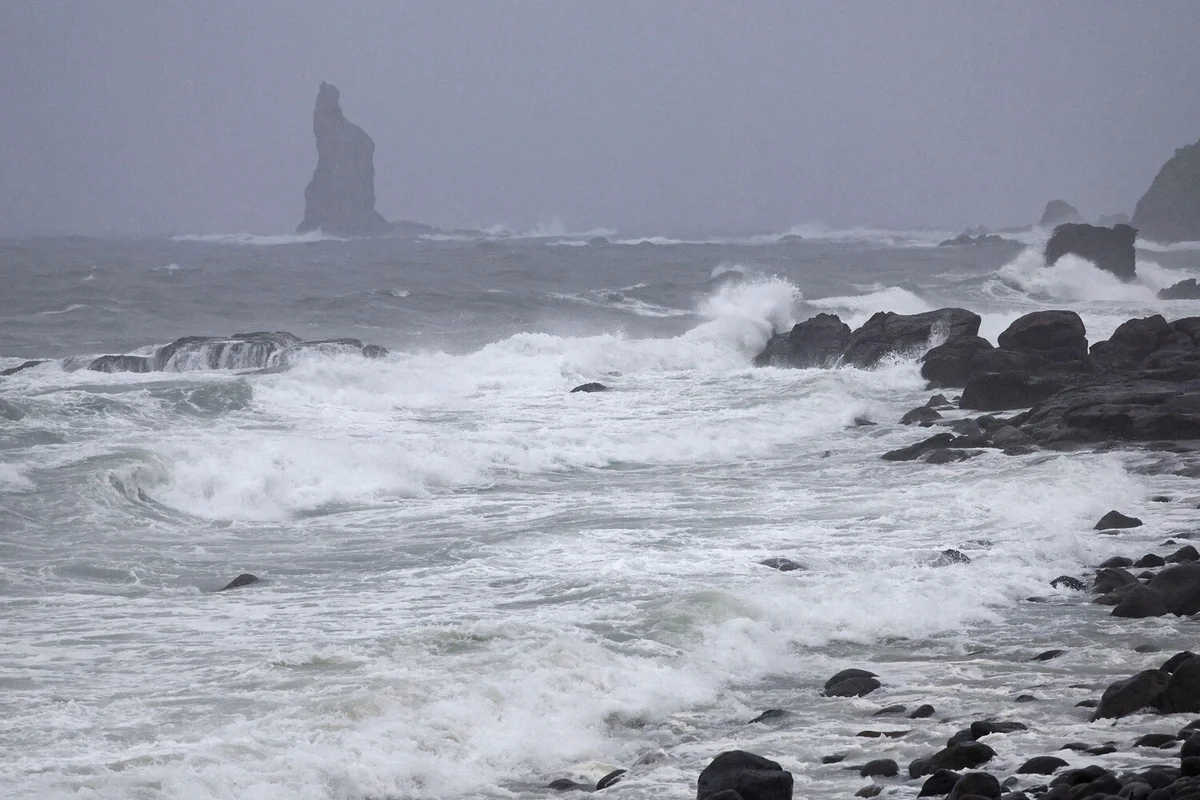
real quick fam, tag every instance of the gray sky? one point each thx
(181, 116)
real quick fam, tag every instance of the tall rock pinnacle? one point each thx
(1169, 211)
(340, 198)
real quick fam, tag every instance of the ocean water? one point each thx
(475, 582)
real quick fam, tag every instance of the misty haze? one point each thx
(649, 400)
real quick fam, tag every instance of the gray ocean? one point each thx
(475, 582)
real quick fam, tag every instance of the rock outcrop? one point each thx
(1057, 212)
(887, 333)
(1110, 249)
(1169, 211)
(1184, 290)
(260, 350)
(816, 342)
(340, 198)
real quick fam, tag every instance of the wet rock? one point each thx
(1146, 648)
(1182, 695)
(880, 767)
(940, 782)
(374, 351)
(589, 387)
(1110, 249)
(782, 564)
(1150, 560)
(999, 391)
(919, 415)
(1140, 602)
(1057, 212)
(1117, 562)
(751, 776)
(1116, 520)
(836, 758)
(1183, 290)
(120, 364)
(976, 784)
(816, 342)
(949, 456)
(1025, 698)
(770, 713)
(915, 451)
(888, 333)
(1008, 436)
(890, 710)
(610, 779)
(1087, 704)
(1132, 342)
(853, 687)
(1109, 580)
(987, 727)
(951, 556)
(566, 785)
(1169, 211)
(1051, 335)
(869, 791)
(1131, 695)
(1067, 582)
(923, 711)
(1048, 655)
(1143, 407)
(1191, 746)
(882, 734)
(1156, 740)
(4, 373)
(245, 579)
(1183, 555)
(962, 755)
(1180, 587)
(951, 363)
(1041, 765)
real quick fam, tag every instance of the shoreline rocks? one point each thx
(1110, 249)
(259, 350)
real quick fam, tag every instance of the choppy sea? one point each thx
(476, 582)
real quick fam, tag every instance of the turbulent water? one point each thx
(475, 582)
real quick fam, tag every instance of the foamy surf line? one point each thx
(258, 240)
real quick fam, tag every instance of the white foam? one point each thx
(857, 309)
(258, 240)
(13, 478)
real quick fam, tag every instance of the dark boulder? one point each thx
(880, 767)
(1000, 391)
(374, 351)
(1048, 655)
(770, 713)
(1183, 555)
(589, 388)
(976, 784)
(919, 415)
(1007, 436)
(846, 674)
(567, 785)
(1169, 211)
(923, 711)
(816, 342)
(1179, 586)
(890, 710)
(1067, 582)
(860, 686)
(750, 776)
(1130, 409)
(1052, 335)
(1157, 740)
(120, 364)
(887, 333)
(1191, 746)
(915, 451)
(1117, 562)
(1150, 560)
(1110, 249)
(951, 363)
(610, 779)
(1110, 580)
(1057, 212)
(1183, 290)
(1131, 695)
(961, 755)
(948, 456)
(4, 373)
(1132, 342)
(1114, 520)
(1140, 602)
(1182, 695)
(1041, 765)
(940, 782)
(782, 564)
(245, 579)
(340, 198)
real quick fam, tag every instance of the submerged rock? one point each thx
(1110, 249)
(120, 364)
(245, 579)
(589, 387)
(340, 198)
(1169, 211)
(4, 373)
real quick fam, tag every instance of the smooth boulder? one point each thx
(749, 775)
(1053, 335)
(1131, 695)
(1179, 586)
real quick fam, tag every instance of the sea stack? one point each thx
(340, 198)
(1057, 212)
(1169, 211)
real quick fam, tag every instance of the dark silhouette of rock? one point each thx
(1117, 562)
(1137, 408)
(1150, 560)
(915, 451)
(1041, 765)
(1052, 335)
(881, 767)
(245, 579)
(1067, 582)
(1001, 391)
(923, 711)
(1109, 580)
(888, 711)
(1182, 695)
(976, 784)
(940, 782)
(1140, 602)
(816, 342)
(589, 387)
(4, 373)
(1169, 211)
(1048, 655)
(770, 713)
(919, 415)
(1183, 290)
(566, 785)
(782, 564)
(1116, 520)
(952, 362)
(887, 333)
(120, 364)
(1180, 588)
(981, 240)
(340, 198)
(961, 755)
(1057, 212)
(1110, 249)
(611, 778)
(1131, 695)
(750, 776)
(853, 687)
(1134, 340)
(847, 674)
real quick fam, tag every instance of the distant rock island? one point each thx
(1057, 212)
(1169, 211)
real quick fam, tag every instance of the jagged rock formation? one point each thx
(1184, 290)
(1057, 212)
(260, 350)
(1110, 249)
(340, 198)
(1169, 211)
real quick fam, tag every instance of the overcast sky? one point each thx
(182, 116)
